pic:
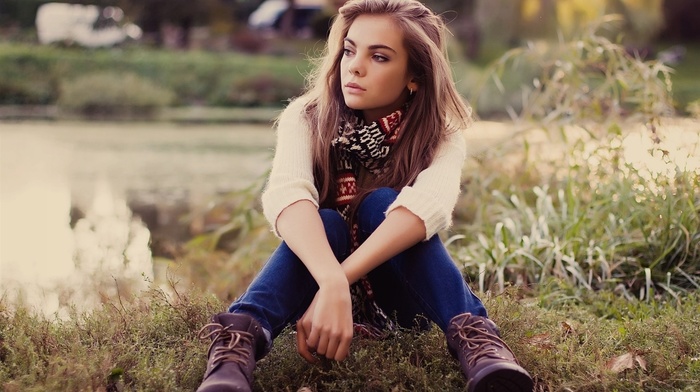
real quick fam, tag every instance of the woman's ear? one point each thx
(412, 86)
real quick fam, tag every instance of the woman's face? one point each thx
(374, 67)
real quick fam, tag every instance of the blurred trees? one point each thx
(682, 20)
(221, 17)
(462, 21)
(288, 19)
(509, 21)
(153, 16)
(19, 13)
(474, 22)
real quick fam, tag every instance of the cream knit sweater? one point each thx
(432, 196)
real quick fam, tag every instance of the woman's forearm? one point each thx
(301, 228)
(400, 230)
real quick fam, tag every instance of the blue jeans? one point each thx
(420, 282)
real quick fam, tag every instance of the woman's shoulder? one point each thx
(293, 113)
(296, 106)
(455, 137)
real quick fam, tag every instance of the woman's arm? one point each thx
(301, 228)
(290, 200)
(291, 176)
(400, 230)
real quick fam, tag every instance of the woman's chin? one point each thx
(353, 103)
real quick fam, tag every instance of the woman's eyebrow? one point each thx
(371, 47)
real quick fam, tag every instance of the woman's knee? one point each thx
(372, 209)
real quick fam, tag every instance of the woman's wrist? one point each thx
(349, 272)
(332, 277)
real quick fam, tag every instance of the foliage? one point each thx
(28, 77)
(265, 89)
(694, 108)
(105, 94)
(20, 12)
(33, 75)
(586, 78)
(686, 83)
(149, 14)
(642, 20)
(568, 205)
(223, 261)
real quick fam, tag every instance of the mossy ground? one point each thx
(573, 342)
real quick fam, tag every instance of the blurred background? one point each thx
(290, 30)
(135, 134)
(252, 53)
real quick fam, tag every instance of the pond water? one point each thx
(48, 168)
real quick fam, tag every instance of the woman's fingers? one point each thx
(313, 336)
(325, 328)
(335, 345)
(329, 351)
(332, 345)
(324, 339)
(302, 347)
(343, 347)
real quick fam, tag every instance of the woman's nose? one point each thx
(355, 67)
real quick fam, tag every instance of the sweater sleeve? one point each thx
(291, 177)
(433, 195)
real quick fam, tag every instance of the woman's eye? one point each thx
(380, 58)
(347, 52)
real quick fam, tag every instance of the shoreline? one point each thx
(185, 115)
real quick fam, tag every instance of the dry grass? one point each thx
(568, 341)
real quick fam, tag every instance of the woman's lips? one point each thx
(354, 88)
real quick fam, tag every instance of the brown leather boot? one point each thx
(238, 341)
(486, 361)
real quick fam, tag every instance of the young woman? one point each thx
(366, 172)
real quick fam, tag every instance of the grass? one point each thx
(584, 215)
(583, 342)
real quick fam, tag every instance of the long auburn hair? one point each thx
(436, 108)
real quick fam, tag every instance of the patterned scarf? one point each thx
(359, 145)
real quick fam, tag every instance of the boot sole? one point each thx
(501, 378)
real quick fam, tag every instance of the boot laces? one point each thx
(233, 348)
(479, 342)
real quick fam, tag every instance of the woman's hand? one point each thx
(326, 326)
